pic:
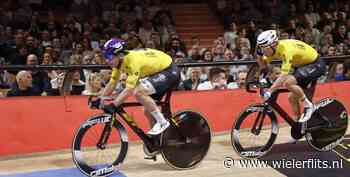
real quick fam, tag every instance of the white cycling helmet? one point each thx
(267, 38)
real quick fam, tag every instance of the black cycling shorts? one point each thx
(310, 72)
(162, 82)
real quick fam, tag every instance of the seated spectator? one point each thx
(40, 79)
(207, 56)
(245, 53)
(24, 86)
(347, 69)
(339, 72)
(240, 83)
(275, 73)
(193, 54)
(180, 57)
(77, 85)
(98, 58)
(106, 76)
(218, 54)
(56, 83)
(193, 81)
(121, 84)
(229, 55)
(94, 85)
(217, 80)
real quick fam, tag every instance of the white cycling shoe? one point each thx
(158, 128)
(307, 114)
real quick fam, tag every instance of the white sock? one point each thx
(307, 102)
(159, 117)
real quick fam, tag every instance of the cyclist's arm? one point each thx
(108, 90)
(260, 59)
(285, 70)
(131, 83)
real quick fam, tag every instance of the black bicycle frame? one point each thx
(149, 141)
(273, 102)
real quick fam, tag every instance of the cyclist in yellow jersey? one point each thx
(151, 73)
(300, 66)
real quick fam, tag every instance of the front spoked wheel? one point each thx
(99, 146)
(186, 142)
(254, 131)
(328, 125)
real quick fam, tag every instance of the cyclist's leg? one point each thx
(153, 88)
(294, 101)
(304, 76)
(142, 95)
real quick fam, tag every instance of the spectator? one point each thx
(77, 85)
(93, 85)
(339, 72)
(240, 83)
(23, 86)
(193, 81)
(47, 59)
(206, 56)
(218, 54)
(230, 36)
(56, 83)
(274, 74)
(20, 57)
(193, 53)
(106, 76)
(45, 38)
(217, 80)
(40, 79)
(340, 35)
(347, 69)
(145, 31)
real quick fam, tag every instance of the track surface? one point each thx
(213, 165)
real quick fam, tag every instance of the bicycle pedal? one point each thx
(154, 158)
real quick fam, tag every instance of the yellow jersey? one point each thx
(293, 53)
(141, 63)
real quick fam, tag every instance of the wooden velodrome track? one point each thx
(213, 165)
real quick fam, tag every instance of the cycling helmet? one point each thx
(267, 38)
(112, 47)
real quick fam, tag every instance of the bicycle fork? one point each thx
(106, 132)
(258, 123)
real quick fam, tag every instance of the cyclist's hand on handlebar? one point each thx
(266, 94)
(94, 104)
(109, 108)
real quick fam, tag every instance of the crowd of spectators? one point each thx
(74, 31)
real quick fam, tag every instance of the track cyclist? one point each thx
(151, 73)
(301, 65)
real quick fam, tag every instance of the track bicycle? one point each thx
(100, 144)
(256, 128)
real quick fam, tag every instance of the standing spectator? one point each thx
(231, 35)
(24, 86)
(145, 31)
(340, 35)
